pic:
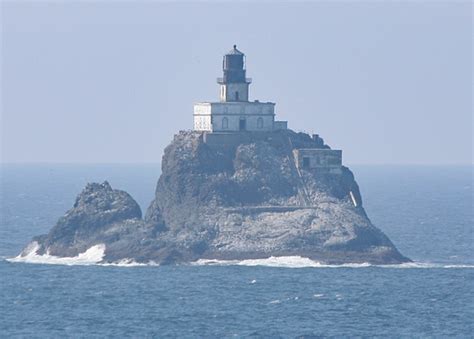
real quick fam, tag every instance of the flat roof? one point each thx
(234, 103)
(318, 149)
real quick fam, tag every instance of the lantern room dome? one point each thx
(235, 51)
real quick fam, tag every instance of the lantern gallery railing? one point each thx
(222, 80)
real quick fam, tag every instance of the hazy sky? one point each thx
(104, 81)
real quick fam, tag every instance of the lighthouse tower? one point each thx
(234, 84)
(234, 112)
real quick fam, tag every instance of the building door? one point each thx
(242, 124)
(305, 162)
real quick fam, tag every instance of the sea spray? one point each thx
(93, 255)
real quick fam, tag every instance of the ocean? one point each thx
(427, 211)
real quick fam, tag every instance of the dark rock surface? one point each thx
(228, 201)
(99, 215)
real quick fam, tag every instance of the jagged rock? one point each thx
(99, 215)
(240, 201)
(247, 201)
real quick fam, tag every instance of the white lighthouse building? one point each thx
(234, 112)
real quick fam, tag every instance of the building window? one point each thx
(225, 123)
(260, 123)
(236, 96)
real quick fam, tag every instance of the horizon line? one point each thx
(159, 163)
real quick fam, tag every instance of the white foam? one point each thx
(284, 261)
(426, 265)
(92, 256)
(302, 262)
(95, 256)
(127, 262)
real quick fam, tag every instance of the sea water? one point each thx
(426, 211)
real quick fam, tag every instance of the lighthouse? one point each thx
(234, 112)
(234, 84)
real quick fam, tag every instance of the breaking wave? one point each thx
(92, 256)
(129, 263)
(302, 262)
(284, 261)
(95, 256)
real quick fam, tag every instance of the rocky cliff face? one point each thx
(228, 201)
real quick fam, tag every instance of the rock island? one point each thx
(241, 185)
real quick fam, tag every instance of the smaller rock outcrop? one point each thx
(99, 215)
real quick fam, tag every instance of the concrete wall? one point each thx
(279, 125)
(231, 123)
(224, 139)
(258, 116)
(228, 92)
(242, 108)
(202, 117)
(322, 159)
(202, 123)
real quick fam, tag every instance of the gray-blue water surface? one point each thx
(426, 211)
